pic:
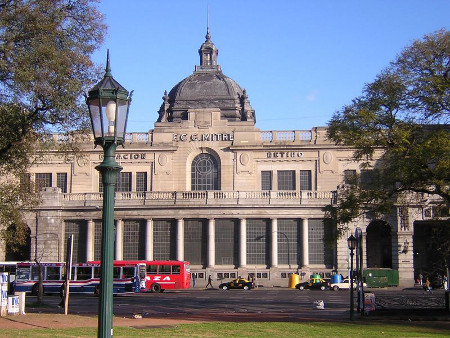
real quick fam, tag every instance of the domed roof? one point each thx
(207, 87)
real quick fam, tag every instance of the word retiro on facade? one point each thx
(203, 137)
(284, 154)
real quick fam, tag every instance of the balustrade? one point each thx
(206, 197)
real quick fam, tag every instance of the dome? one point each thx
(206, 88)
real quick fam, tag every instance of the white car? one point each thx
(345, 284)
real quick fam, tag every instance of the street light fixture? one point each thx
(108, 104)
(351, 242)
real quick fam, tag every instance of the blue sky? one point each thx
(300, 61)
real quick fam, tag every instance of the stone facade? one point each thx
(206, 185)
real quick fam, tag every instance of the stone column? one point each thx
(90, 240)
(149, 240)
(211, 243)
(305, 242)
(243, 243)
(180, 239)
(119, 240)
(274, 241)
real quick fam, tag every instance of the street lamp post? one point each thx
(351, 241)
(108, 104)
(287, 241)
(288, 247)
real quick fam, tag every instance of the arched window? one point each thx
(204, 173)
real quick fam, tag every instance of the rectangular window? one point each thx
(176, 269)
(349, 176)
(365, 178)
(25, 182)
(164, 269)
(318, 232)
(133, 243)
(124, 181)
(43, 180)
(84, 272)
(305, 180)
(52, 273)
(227, 241)
(79, 231)
(258, 241)
(286, 179)
(266, 180)
(128, 272)
(141, 181)
(152, 269)
(164, 240)
(61, 181)
(97, 240)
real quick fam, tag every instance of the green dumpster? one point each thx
(380, 277)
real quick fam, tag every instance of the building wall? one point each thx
(171, 220)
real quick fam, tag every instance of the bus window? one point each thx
(84, 272)
(164, 269)
(35, 272)
(23, 274)
(176, 269)
(52, 273)
(96, 272)
(128, 272)
(116, 272)
(152, 269)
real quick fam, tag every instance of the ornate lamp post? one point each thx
(108, 104)
(351, 241)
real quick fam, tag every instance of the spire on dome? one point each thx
(207, 36)
(208, 51)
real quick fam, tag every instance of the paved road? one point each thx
(261, 304)
(212, 303)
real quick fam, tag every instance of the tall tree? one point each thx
(45, 67)
(402, 116)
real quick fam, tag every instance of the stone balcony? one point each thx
(52, 197)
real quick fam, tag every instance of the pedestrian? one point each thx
(62, 294)
(194, 276)
(209, 281)
(427, 285)
(421, 279)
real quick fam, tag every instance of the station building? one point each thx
(207, 186)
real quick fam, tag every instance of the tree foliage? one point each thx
(45, 67)
(404, 116)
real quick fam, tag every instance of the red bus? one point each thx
(128, 276)
(157, 276)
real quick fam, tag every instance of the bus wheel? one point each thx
(155, 288)
(35, 290)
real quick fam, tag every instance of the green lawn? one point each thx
(255, 329)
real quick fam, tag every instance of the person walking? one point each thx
(209, 282)
(427, 285)
(194, 276)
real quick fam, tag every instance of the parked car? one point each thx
(345, 285)
(314, 284)
(239, 283)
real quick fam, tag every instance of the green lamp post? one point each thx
(108, 104)
(351, 242)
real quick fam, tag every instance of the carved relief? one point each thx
(244, 158)
(162, 160)
(327, 157)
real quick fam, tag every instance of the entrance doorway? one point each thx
(379, 245)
